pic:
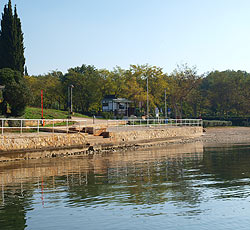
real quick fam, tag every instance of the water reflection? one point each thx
(182, 181)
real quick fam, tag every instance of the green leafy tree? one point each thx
(15, 93)
(53, 96)
(227, 93)
(183, 81)
(87, 92)
(11, 40)
(136, 86)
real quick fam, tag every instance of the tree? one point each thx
(52, 88)
(182, 82)
(227, 93)
(26, 71)
(11, 41)
(15, 93)
(87, 94)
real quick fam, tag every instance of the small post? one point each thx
(53, 125)
(21, 126)
(2, 125)
(37, 126)
(67, 125)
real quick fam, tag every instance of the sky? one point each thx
(208, 34)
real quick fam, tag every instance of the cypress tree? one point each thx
(11, 40)
(19, 47)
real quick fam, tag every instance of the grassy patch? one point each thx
(60, 124)
(35, 113)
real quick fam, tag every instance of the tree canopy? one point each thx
(11, 40)
(189, 95)
(12, 63)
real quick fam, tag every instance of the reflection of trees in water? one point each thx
(229, 170)
(13, 210)
(228, 163)
(139, 183)
(128, 178)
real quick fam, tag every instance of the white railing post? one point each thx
(21, 126)
(53, 126)
(2, 125)
(67, 122)
(37, 126)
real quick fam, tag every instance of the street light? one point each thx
(70, 94)
(165, 99)
(147, 102)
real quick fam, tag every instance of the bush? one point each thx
(214, 123)
(246, 123)
(107, 115)
(15, 123)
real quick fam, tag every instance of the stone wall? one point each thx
(151, 134)
(39, 141)
(29, 146)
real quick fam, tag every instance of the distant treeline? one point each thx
(216, 94)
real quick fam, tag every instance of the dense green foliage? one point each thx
(189, 95)
(14, 95)
(11, 41)
(207, 123)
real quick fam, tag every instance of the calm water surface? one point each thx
(177, 187)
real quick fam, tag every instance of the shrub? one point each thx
(246, 123)
(107, 115)
(215, 123)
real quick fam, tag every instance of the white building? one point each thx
(119, 106)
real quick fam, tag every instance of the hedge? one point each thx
(215, 123)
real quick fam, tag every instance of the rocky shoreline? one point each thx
(225, 135)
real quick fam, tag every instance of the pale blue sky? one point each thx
(210, 34)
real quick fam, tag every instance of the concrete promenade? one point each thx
(96, 137)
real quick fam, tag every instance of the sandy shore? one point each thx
(226, 135)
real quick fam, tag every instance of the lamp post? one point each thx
(165, 103)
(70, 94)
(147, 102)
(71, 105)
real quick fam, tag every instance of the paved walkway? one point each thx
(91, 121)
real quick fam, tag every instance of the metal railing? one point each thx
(69, 125)
(37, 125)
(156, 122)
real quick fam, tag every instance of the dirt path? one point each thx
(226, 135)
